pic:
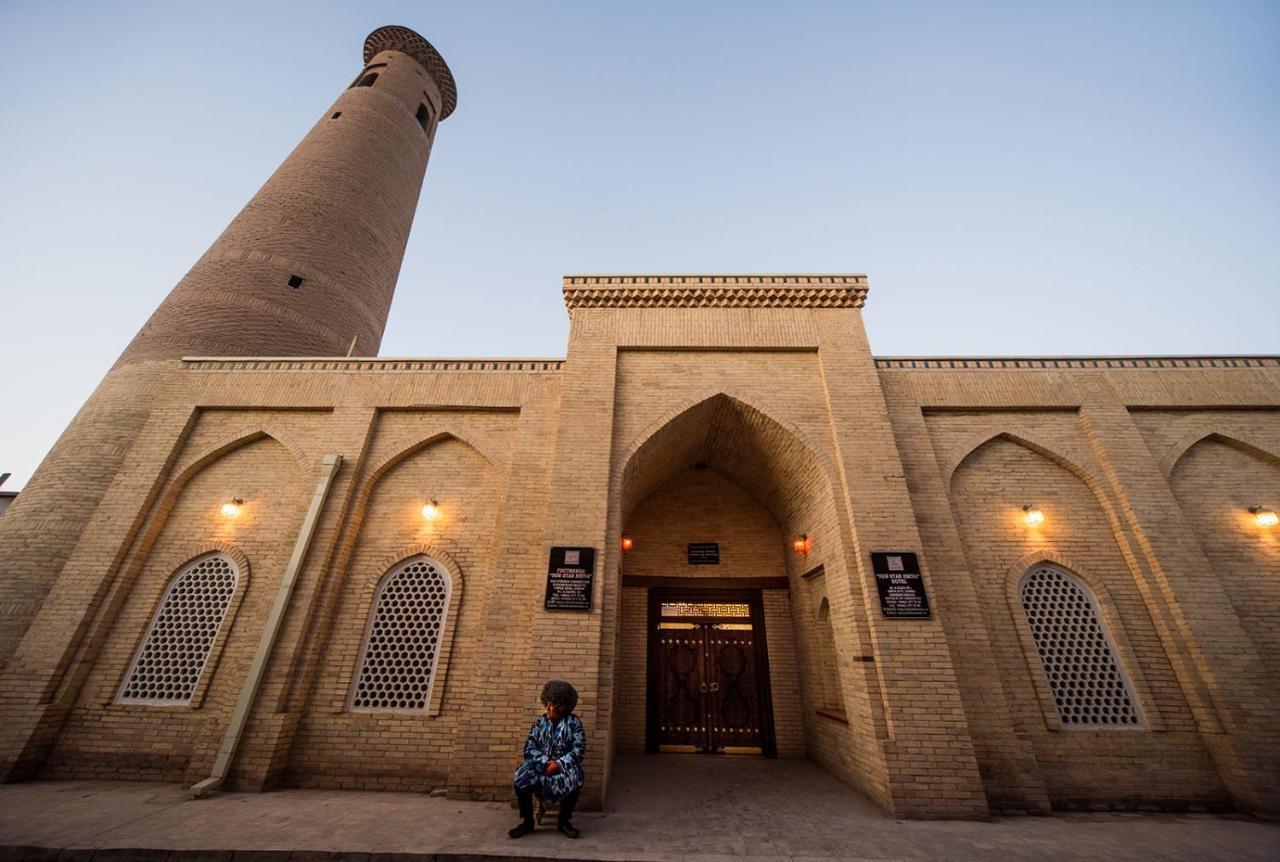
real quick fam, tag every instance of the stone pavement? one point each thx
(669, 807)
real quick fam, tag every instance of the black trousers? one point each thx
(525, 800)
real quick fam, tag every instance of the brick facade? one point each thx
(745, 410)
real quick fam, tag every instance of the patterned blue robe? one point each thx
(565, 742)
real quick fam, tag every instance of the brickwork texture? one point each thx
(745, 410)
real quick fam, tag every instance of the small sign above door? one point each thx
(704, 553)
(901, 588)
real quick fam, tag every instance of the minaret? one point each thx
(307, 268)
(309, 265)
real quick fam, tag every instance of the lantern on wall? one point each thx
(1033, 515)
(801, 544)
(628, 544)
(431, 509)
(232, 507)
(1264, 517)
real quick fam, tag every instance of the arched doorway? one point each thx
(716, 651)
(708, 686)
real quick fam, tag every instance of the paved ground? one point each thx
(670, 807)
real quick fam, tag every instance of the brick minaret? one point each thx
(307, 268)
(309, 265)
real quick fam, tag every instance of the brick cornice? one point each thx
(715, 291)
(406, 41)
(365, 363)
(966, 363)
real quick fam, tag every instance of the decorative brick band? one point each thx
(406, 41)
(271, 363)
(715, 291)
(1037, 362)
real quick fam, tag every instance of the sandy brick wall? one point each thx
(1096, 444)
(801, 433)
(338, 747)
(106, 739)
(987, 491)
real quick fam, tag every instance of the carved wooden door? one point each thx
(734, 696)
(708, 693)
(681, 658)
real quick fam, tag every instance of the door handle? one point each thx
(715, 686)
(703, 688)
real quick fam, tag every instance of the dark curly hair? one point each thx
(561, 693)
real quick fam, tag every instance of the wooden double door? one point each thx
(708, 674)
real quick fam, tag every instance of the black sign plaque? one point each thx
(704, 553)
(569, 575)
(901, 588)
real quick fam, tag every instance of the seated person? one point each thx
(552, 768)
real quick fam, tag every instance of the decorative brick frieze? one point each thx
(406, 41)
(715, 291)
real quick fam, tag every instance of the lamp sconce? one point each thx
(1264, 517)
(1033, 515)
(431, 509)
(628, 544)
(231, 508)
(802, 544)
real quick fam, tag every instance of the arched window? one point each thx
(365, 76)
(173, 654)
(424, 117)
(398, 660)
(829, 670)
(1088, 684)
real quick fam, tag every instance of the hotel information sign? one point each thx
(569, 576)
(704, 553)
(901, 589)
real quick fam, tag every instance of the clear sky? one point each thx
(1016, 178)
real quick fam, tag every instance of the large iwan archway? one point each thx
(725, 628)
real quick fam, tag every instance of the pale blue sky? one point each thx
(1016, 178)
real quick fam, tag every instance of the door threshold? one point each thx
(752, 750)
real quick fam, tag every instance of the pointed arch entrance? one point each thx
(716, 652)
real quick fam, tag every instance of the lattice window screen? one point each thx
(1088, 685)
(403, 641)
(168, 665)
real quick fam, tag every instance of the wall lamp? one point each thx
(802, 544)
(1264, 517)
(231, 508)
(1033, 515)
(431, 509)
(628, 544)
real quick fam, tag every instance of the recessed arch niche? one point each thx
(724, 470)
(988, 489)
(1216, 481)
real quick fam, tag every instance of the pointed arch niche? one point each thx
(186, 524)
(988, 489)
(723, 470)
(387, 532)
(1216, 480)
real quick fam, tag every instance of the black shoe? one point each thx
(523, 828)
(567, 828)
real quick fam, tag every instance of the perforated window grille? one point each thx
(403, 641)
(1088, 685)
(173, 654)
